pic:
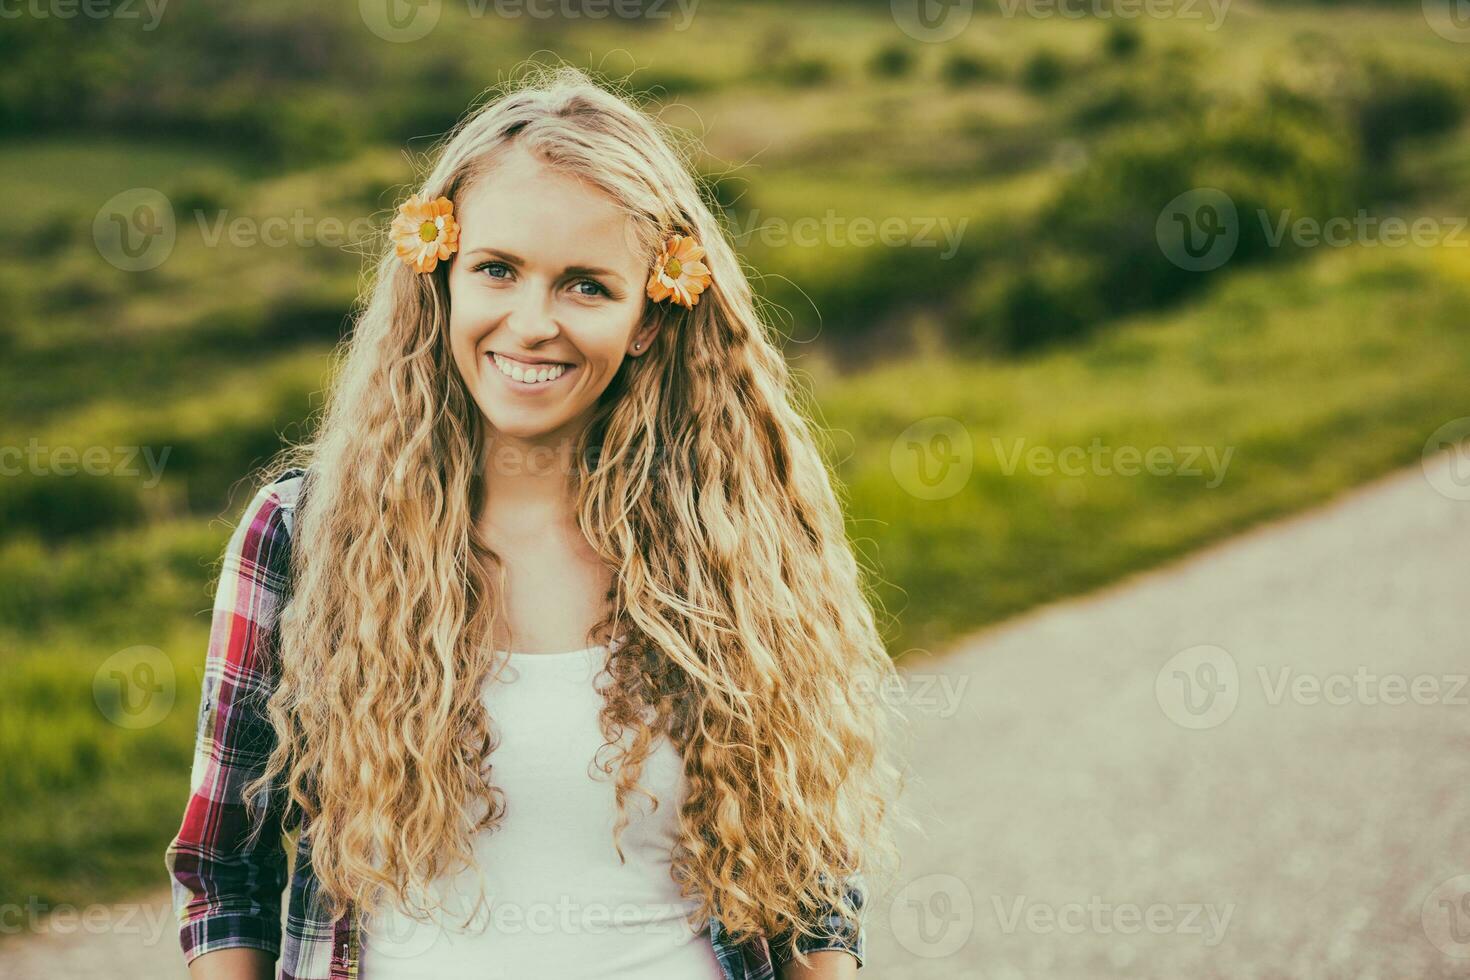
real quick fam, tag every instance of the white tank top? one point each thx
(557, 902)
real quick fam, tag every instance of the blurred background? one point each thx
(1077, 287)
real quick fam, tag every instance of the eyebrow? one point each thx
(574, 270)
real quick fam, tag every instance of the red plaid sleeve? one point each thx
(227, 889)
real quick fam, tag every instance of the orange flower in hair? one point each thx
(679, 274)
(424, 232)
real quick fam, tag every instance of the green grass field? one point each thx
(1267, 388)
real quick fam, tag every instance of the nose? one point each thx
(530, 319)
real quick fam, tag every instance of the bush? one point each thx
(1123, 41)
(1161, 91)
(57, 506)
(1055, 295)
(54, 232)
(430, 103)
(1043, 71)
(1094, 252)
(966, 68)
(1401, 101)
(299, 129)
(202, 191)
(305, 313)
(803, 71)
(852, 290)
(891, 61)
(1384, 101)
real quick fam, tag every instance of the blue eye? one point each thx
(505, 272)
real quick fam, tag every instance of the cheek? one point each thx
(471, 313)
(463, 340)
(603, 336)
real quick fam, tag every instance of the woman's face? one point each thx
(546, 298)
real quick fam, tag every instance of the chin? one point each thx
(523, 423)
(519, 426)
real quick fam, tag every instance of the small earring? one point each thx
(638, 346)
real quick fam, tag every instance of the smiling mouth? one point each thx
(529, 374)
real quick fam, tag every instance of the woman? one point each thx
(556, 608)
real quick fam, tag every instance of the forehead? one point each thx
(523, 205)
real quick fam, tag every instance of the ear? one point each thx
(642, 339)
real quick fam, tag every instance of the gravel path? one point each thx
(1300, 809)
(1252, 763)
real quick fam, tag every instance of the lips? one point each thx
(524, 377)
(533, 362)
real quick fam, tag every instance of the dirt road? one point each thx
(1253, 763)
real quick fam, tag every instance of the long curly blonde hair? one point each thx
(750, 638)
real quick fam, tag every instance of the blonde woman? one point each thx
(549, 645)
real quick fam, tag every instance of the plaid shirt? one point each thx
(226, 891)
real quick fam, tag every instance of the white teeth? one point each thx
(526, 374)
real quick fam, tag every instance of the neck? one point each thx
(528, 483)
